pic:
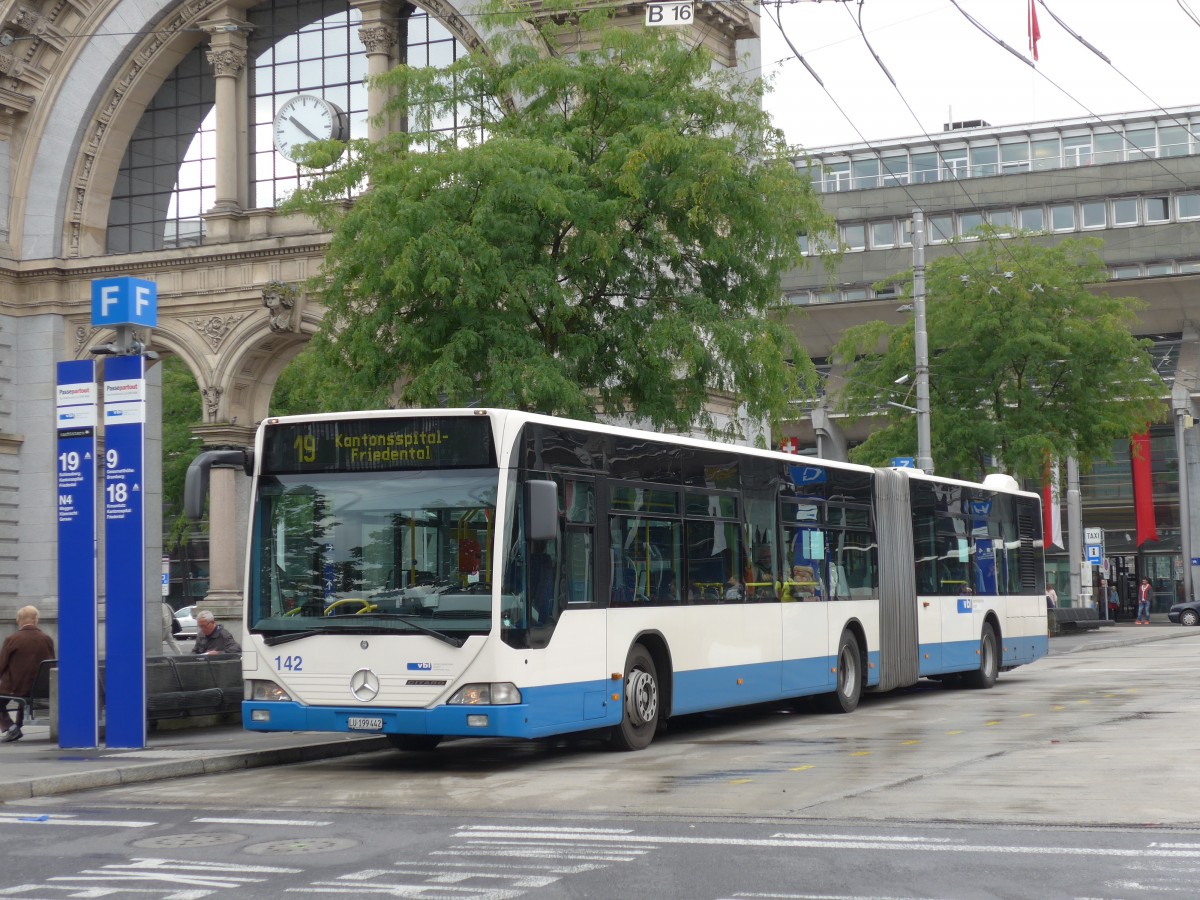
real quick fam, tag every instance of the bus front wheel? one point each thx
(989, 661)
(639, 712)
(849, 677)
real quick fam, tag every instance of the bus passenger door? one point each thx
(929, 632)
(805, 606)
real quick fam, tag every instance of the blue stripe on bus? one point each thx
(558, 709)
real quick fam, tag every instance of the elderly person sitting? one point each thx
(212, 638)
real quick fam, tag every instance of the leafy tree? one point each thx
(1025, 361)
(181, 411)
(613, 240)
(310, 384)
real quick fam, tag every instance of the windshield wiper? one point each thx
(424, 629)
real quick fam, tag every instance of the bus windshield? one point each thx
(373, 552)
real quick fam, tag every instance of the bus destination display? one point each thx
(373, 445)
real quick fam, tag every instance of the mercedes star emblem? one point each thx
(364, 685)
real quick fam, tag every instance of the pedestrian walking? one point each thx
(1143, 607)
(20, 656)
(169, 626)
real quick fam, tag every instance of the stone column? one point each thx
(383, 31)
(227, 57)
(227, 526)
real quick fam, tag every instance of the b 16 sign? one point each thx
(674, 13)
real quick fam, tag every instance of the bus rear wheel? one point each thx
(849, 678)
(639, 712)
(415, 743)
(989, 661)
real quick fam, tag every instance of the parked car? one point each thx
(1185, 613)
(186, 617)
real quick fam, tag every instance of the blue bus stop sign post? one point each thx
(78, 650)
(125, 551)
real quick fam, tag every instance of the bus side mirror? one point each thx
(541, 510)
(195, 485)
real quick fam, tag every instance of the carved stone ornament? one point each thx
(212, 401)
(216, 328)
(378, 38)
(280, 301)
(227, 61)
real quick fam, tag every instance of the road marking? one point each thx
(51, 819)
(741, 781)
(298, 822)
(909, 743)
(803, 768)
(851, 842)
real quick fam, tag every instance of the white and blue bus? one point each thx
(483, 572)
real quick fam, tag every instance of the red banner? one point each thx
(1143, 488)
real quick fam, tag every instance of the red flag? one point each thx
(1143, 488)
(1034, 31)
(1051, 511)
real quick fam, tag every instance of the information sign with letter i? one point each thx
(124, 552)
(78, 646)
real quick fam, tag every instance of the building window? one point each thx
(1160, 269)
(1143, 143)
(1092, 214)
(167, 179)
(1187, 206)
(168, 176)
(1156, 209)
(837, 177)
(1125, 211)
(854, 294)
(1108, 146)
(866, 173)
(1172, 140)
(1014, 157)
(1188, 267)
(1046, 154)
(1126, 272)
(985, 160)
(895, 170)
(802, 241)
(969, 224)
(1001, 220)
(955, 163)
(941, 229)
(1062, 217)
(883, 234)
(1077, 151)
(1033, 218)
(855, 237)
(924, 168)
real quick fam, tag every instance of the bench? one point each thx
(38, 698)
(1074, 618)
(197, 685)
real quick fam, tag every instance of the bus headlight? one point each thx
(266, 690)
(502, 693)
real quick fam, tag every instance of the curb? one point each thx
(142, 772)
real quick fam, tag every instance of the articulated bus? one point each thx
(482, 572)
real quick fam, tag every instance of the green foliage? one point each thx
(181, 411)
(1025, 361)
(608, 232)
(313, 383)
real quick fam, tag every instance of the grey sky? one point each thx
(946, 69)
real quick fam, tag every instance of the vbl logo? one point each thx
(420, 667)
